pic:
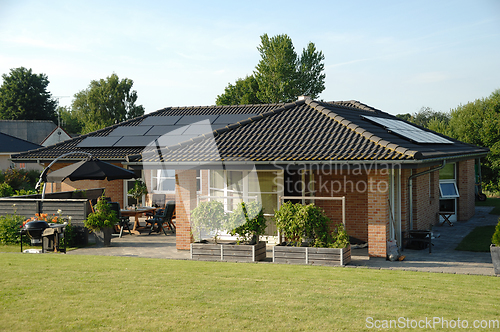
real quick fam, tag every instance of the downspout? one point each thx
(410, 188)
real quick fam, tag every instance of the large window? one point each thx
(163, 180)
(244, 185)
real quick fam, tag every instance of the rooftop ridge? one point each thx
(361, 131)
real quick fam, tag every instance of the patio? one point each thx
(444, 259)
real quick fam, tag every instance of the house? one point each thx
(57, 135)
(392, 175)
(34, 131)
(11, 145)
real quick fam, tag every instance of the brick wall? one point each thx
(378, 214)
(185, 202)
(466, 181)
(425, 199)
(338, 185)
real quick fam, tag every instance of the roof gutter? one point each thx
(410, 187)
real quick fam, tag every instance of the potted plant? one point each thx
(495, 248)
(247, 221)
(309, 238)
(140, 189)
(102, 222)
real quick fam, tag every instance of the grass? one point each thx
(478, 240)
(491, 201)
(56, 292)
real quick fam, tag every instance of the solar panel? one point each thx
(130, 131)
(160, 120)
(408, 131)
(135, 141)
(189, 119)
(98, 142)
(231, 118)
(166, 130)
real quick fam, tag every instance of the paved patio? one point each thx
(443, 259)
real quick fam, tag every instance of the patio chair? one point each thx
(123, 221)
(163, 216)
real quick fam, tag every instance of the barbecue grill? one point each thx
(49, 236)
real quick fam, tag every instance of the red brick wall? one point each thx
(367, 211)
(327, 185)
(466, 188)
(185, 202)
(425, 199)
(378, 214)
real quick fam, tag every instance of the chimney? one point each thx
(303, 98)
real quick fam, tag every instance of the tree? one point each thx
(69, 120)
(478, 123)
(24, 96)
(106, 102)
(243, 92)
(280, 76)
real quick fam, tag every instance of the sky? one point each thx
(397, 56)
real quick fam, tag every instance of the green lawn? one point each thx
(57, 292)
(478, 240)
(491, 201)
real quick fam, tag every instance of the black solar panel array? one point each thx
(164, 130)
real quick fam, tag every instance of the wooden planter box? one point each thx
(312, 255)
(228, 252)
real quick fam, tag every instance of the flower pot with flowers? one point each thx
(102, 222)
(140, 189)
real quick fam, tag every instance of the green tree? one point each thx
(69, 120)
(280, 76)
(24, 96)
(106, 102)
(243, 92)
(478, 123)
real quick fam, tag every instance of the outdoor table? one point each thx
(446, 216)
(136, 213)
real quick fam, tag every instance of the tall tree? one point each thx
(24, 96)
(478, 123)
(106, 102)
(280, 76)
(243, 92)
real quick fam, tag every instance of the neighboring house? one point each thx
(57, 135)
(10, 145)
(393, 175)
(34, 131)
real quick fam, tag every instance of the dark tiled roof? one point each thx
(301, 131)
(13, 144)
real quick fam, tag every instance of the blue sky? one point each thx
(397, 56)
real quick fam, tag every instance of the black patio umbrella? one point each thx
(90, 169)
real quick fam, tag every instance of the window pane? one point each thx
(217, 179)
(448, 172)
(167, 185)
(235, 180)
(262, 182)
(269, 203)
(448, 190)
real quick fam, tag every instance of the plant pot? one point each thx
(312, 255)
(495, 258)
(228, 252)
(103, 237)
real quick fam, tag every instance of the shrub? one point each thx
(103, 216)
(248, 221)
(10, 225)
(496, 236)
(6, 190)
(209, 217)
(299, 222)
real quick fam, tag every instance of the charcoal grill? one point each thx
(49, 236)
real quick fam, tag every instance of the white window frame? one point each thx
(450, 182)
(155, 181)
